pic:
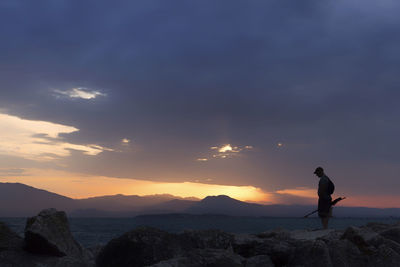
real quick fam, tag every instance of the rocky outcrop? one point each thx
(48, 242)
(140, 247)
(371, 245)
(49, 233)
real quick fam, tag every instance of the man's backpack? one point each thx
(331, 187)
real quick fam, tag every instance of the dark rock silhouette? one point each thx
(375, 244)
(140, 247)
(205, 257)
(363, 246)
(146, 246)
(49, 233)
(47, 243)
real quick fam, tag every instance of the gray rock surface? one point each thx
(49, 233)
(15, 252)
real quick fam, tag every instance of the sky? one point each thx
(196, 98)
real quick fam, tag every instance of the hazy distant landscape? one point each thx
(19, 200)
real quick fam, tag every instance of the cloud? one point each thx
(80, 92)
(228, 151)
(125, 141)
(299, 192)
(11, 172)
(39, 140)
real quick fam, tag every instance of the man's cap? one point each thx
(319, 169)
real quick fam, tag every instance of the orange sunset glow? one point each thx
(83, 186)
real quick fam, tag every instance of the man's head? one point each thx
(319, 172)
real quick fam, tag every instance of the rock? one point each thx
(376, 250)
(345, 253)
(250, 245)
(373, 245)
(310, 253)
(377, 227)
(310, 235)
(392, 233)
(215, 239)
(140, 247)
(385, 256)
(280, 252)
(12, 246)
(213, 257)
(175, 262)
(49, 233)
(258, 261)
(278, 233)
(12, 258)
(93, 252)
(361, 238)
(204, 257)
(9, 240)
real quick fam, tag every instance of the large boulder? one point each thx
(345, 253)
(140, 247)
(375, 249)
(12, 254)
(361, 238)
(49, 233)
(310, 253)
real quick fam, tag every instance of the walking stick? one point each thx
(333, 203)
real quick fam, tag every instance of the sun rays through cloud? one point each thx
(225, 151)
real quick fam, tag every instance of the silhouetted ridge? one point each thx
(18, 199)
(223, 204)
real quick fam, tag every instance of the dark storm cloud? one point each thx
(182, 76)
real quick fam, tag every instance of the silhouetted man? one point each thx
(325, 189)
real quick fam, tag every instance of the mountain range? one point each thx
(19, 200)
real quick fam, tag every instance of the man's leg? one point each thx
(324, 222)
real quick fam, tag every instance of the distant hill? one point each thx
(171, 206)
(19, 200)
(233, 207)
(225, 205)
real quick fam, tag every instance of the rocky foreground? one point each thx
(49, 242)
